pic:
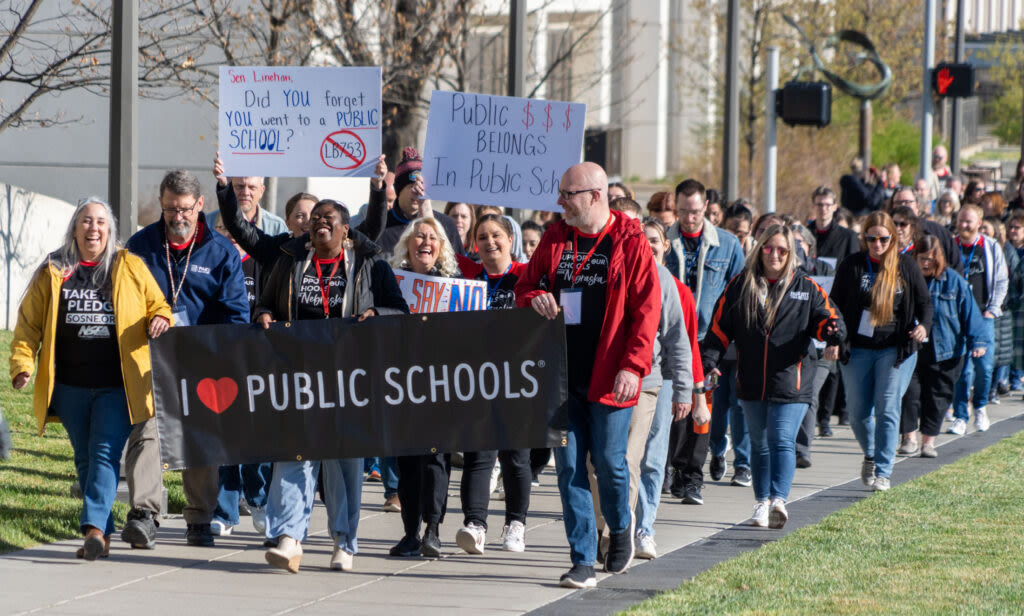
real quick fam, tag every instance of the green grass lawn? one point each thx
(950, 542)
(36, 505)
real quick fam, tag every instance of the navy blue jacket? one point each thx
(214, 287)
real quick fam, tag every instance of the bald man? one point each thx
(600, 274)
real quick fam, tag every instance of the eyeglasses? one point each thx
(1014, 228)
(824, 203)
(902, 224)
(170, 211)
(567, 194)
(883, 239)
(904, 202)
(780, 250)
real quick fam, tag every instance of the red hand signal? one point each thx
(944, 81)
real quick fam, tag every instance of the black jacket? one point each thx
(915, 301)
(777, 364)
(375, 285)
(837, 242)
(859, 196)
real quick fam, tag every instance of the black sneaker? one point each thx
(824, 430)
(580, 576)
(742, 477)
(408, 546)
(692, 495)
(431, 544)
(717, 467)
(803, 462)
(844, 419)
(199, 535)
(1003, 388)
(678, 487)
(620, 549)
(140, 529)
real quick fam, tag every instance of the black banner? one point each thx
(335, 388)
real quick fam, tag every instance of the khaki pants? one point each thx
(145, 477)
(636, 445)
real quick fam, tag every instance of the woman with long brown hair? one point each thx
(885, 301)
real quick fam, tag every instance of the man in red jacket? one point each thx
(596, 266)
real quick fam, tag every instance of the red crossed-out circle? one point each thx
(347, 160)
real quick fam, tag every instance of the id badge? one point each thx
(571, 302)
(865, 328)
(180, 318)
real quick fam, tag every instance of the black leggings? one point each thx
(476, 484)
(423, 489)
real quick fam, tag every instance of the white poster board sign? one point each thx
(437, 294)
(500, 150)
(286, 121)
(825, 282)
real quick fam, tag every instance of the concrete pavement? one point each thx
(233, 577)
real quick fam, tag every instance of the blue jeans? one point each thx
(98, 425)
(874, 392)
(602, 432)
(389, 476)
(773, 428)
(652, 467)
(291, 499)
(250, 480)
(977, 373)
(726, 410)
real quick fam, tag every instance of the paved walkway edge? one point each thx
(667, 572)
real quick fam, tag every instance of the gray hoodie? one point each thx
(673, 357)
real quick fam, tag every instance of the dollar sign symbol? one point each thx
(567, 122)
(547, 118)
(528, 117)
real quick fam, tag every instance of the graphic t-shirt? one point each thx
(322, 278)
(592, 281)
(86, 346)
(691, 250)
(500, 293)
(973, 258)
(251, 274)
(883, 336)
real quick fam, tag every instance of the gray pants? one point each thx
(145, 477)
(805, 434)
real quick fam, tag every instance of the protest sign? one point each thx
(438, 294)
(336, 388)
(286, 121)
(499, 150)
(825, 282)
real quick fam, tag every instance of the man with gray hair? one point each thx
(200, 273)
(249, 192)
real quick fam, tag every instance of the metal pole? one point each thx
(270, 197)
(731, 146)
(958, 56)
(865, 134)
(123, 160)
(926, 90)
(770, 147)
(517, 49)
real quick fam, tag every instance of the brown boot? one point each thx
(96, 545)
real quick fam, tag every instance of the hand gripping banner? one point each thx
(392, 385)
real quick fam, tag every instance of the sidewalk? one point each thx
(234, 577)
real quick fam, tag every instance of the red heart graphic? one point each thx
(217, 394)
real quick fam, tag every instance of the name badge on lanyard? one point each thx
(572, 305)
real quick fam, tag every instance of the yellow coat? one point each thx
(137, 299)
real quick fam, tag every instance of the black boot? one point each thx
(431, 544)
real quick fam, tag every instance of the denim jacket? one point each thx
(956, 316)
(720, 258)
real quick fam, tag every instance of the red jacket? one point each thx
(633, 309)
(690, 320)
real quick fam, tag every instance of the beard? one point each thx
(181, 229)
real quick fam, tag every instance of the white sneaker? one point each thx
(514, 536)
(981, 421)
(341, 560)
(881, 484)
(471, 538)
(778, 515)
(949, 415)
(220, 528)
(495, 476)
(287, 555)
(645, 546)
(760, 517)
(259, 519)
(959, 427)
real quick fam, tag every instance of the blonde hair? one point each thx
(755, 292)
(446, 263)
(888, 281)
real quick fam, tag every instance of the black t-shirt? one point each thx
(86, 346)
(311, 291)
(691, 250)
(884, 336)
(973, 258)
(251, 274)
(592, 281)
(500, 287)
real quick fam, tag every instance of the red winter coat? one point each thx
(632, 311)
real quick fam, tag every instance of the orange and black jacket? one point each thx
(775, 363)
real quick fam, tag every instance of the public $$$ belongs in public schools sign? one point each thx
(335, 388)
(499, 150)
(437, 294)
(284, 121)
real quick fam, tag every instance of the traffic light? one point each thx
(954, 80)
(805, 103)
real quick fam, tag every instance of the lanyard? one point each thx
(909, 247)
(170, 272)
(491, 291)
(325, 290)
(970, 257)
(576, 270)
(871, 270)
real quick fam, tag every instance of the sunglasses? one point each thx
(883, 239)
(901, 223)
(781, 250)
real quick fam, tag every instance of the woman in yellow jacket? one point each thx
(86, 313)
